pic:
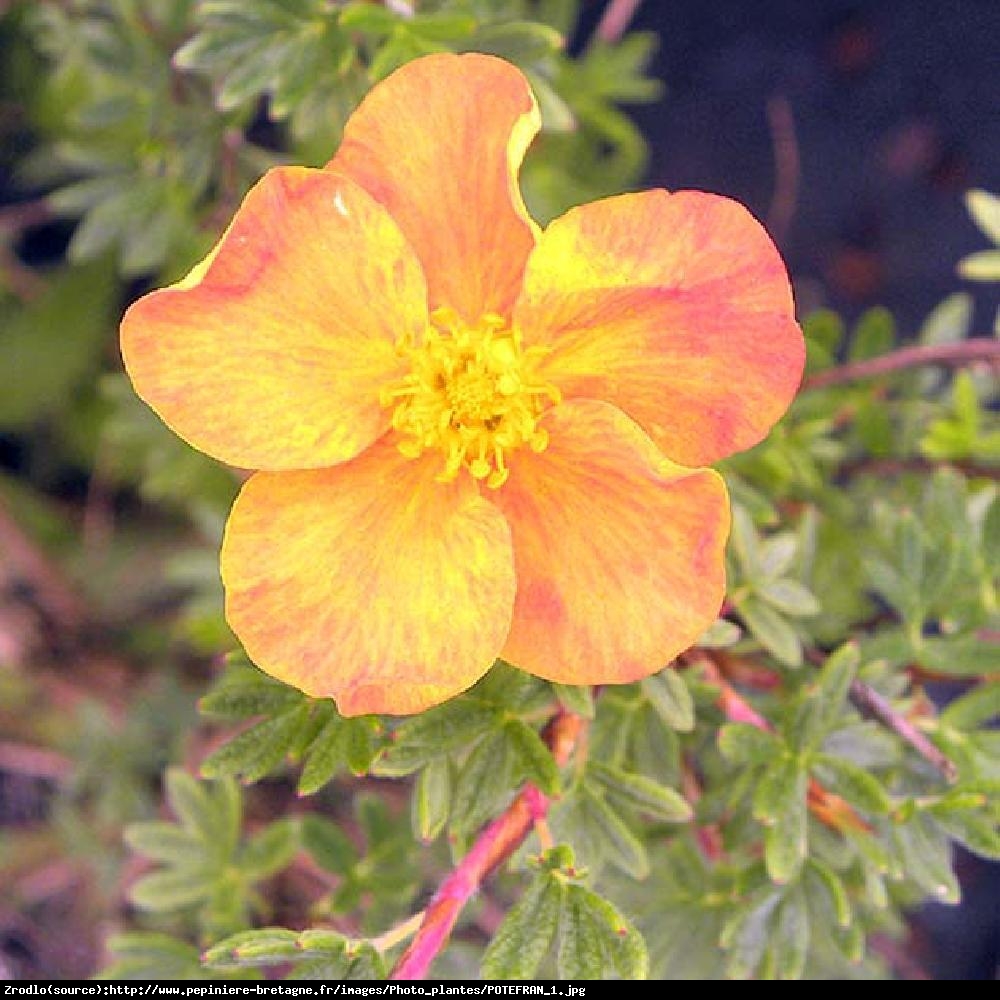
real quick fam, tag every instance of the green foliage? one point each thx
(479, 748)
(157, 956)
(985, 211)
(294, 727)
(204, 862)
(764, 808)
(384, 871)
(146, 454)
(314, 954)
(52, 344)
(153, 108)
(592, 935)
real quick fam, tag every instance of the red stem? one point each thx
(951, 355)
(493, 846)
(828, 808)
(616, 19)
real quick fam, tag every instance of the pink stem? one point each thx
(493, 846)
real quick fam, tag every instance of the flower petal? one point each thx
(271, 353)
(618, 552)
(674, 307)
(370, 582)
(439, 143)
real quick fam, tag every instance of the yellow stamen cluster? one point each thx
(471, 393)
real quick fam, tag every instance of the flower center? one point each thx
(471, 393)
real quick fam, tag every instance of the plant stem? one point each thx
(787, 167)
(954, 355)
(616, 19)
(829, 809)
(493, 846)
(870, 703)
(400, 932)
(873, 706)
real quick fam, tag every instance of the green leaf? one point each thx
(890, 584)
(824, 331)
(777, 554)
(860, 788)
(148, 955)
(340, 741)
(431, 800)
(320, 941)
(532, 756)
(926, 858)
(912, 547)
(244, 692)
(977, 833)
(172, 889)
(581, 943)
(269, 851)
(53, 344)
(524, 936)
(790, 944)
(984, 208)
(642, 793)
(623, 941)
(557, 115)
(834, 681)
(578, 699)
(327, 844)
(592, 931)
(456, 723)
(744, 542)
(948, 322)
(228, 802)
(266, 946)
(362, 16)
(365, 962)
(743, 743)
(789, 596)
(164, 842)
(779, 803)
(653, 749)
(979, 705)
(991, 534)
(833, 888)
(521, 42)
(146, 452)
(873, 335)
(360, 743)
(772, 630)
(209, 818)
(259, 750)
(325, 756)
(961, 656)
(668, 693)
(719, 635)
(746, 935)
(621, 846)
(484, 783)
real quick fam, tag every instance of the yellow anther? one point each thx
(472, 393)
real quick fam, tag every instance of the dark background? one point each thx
(896, 112)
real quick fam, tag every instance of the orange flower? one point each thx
(478, 438)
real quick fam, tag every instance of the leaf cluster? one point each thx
(768, 806)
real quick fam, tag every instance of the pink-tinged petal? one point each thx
(618, 551)
(439, 143)
(674, 307)
(370, 583)
(270, 354)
